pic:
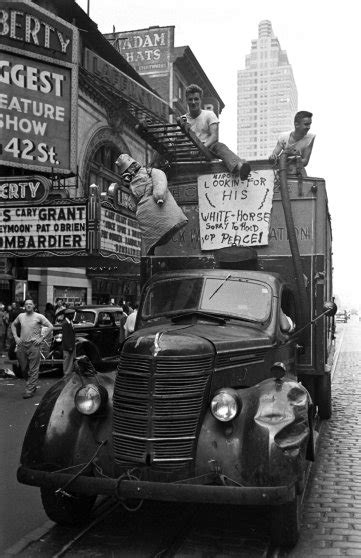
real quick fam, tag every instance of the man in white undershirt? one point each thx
(29, 342)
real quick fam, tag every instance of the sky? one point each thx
(323, 47)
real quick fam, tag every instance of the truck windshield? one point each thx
(235, 297)
(172, 296)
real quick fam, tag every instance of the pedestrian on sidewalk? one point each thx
(68, 340)
(28, 343)
(2, 330)
(13, 312)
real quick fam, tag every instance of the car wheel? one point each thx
(286, 523)
(67, 509)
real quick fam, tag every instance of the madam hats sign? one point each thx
(38, 89)
(147, 50)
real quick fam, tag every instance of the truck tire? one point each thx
(323, 396)
(285, 523)
(66, 510)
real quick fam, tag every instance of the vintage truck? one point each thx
(209, 401)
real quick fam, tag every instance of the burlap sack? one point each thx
(158, 223)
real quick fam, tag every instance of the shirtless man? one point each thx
(28, 344)
(204, 123)
(297, 144)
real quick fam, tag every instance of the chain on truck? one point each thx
(217, 391)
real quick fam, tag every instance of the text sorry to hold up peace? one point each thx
(234, 212)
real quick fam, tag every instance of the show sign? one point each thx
(17, 190)
(38, 89)
(55, 229)
(234, 212)
(147, 50)
(127, 87)
(119, 235)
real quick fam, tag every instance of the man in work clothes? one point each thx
(28, 344)
(204, 123)
(68, 341)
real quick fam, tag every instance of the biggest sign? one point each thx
(38, 88)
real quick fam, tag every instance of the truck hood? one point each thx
(176, 338)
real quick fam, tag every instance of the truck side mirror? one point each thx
(330, 308)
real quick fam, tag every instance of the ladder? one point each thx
(175, 142)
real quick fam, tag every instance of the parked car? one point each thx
(97, 331)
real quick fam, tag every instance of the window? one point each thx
(103, 170)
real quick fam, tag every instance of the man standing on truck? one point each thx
(204, 123)
(297, 144)
(29, 341)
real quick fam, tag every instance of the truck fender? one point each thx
(60, 436)
(265, 445)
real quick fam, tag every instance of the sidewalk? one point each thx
(331, 523)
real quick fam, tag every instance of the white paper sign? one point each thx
(234, 212)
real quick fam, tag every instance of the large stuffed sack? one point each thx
(158, 222)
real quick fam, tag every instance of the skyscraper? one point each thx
(266, 96)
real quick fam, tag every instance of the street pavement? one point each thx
(332, 505)
(20, 506)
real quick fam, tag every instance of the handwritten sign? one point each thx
(234, 212)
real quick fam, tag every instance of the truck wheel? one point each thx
(286, 523)
(323, 396)
(66, 510)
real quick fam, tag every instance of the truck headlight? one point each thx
(225, 405)
(88, 399)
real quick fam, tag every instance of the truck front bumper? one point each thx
(192, 490)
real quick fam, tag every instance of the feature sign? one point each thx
(57, 228)
(38, 89)
(234, 212)
(119, 235)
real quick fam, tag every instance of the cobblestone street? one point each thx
(332, 505)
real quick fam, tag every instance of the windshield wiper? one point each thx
(220, 286)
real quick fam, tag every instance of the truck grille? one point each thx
(157, 407)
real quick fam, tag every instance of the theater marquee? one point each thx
(53, 229)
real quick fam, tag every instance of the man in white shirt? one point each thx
(297, 144)
(129, 325)
(29, 342)
(204, 123)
